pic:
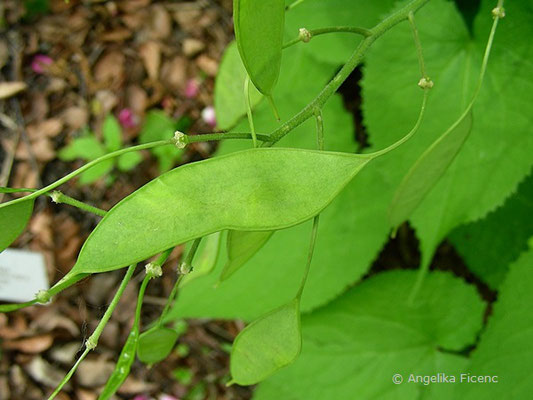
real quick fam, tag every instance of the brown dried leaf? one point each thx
(174, 73)
(75, 117)
(110, 67)
(31, 345)
(208, 65)
(43, 372)
(160, 24)
(94, 372)
(150, 53)
(192, 47)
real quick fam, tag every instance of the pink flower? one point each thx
(127, 118)
(40, 62)
(208, 116)
(191, 90)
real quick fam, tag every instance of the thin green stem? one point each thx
(209, 137)
(416, 37)
(249, 108)
(192, 251)
(333, 29)
(92, 342)
(273, 106)
(140, 299)
(354, 60)
(61, 285)
(163, 257)
(309, 256)
(170, 300)
(319, 129)
(184, 265)
(4, 189)
(409, 134)
(85, 167)
(69, 374)
(424, 268)
(59, 197)
(293, 4)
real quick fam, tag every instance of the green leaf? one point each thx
(270, 189)
(96, 172)
(206, 257)
(266, 345)
(358, 342)
(128, 161)
(13, 220)
(112, 133)
(156, 344)
(505, 347)
(159, 126)
(229, 89)
(357, 216)
(242, 246)
(488, 246)
(259, 34)
(85, 147)
(497, 154)
(428, 169)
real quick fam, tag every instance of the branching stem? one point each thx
(332, 29)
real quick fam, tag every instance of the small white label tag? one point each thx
(22, 275)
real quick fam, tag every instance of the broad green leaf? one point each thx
(259, 34)
(428, 169)
(13, 220)
(256, 189)
(85, 147)
(229, 89)
(497, 154)
(206, 257)
(241, 246)
(357, 343)
(128, 161)
(112, 133)
(159, 126)
(505, 347)
(156, 344)
(488, 246)
(266, 345)
(357, 216)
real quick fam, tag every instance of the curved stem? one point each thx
(416, 37)
(92, 342)
(69, 374)
(208, 137)
(332, 29)
(354, 60)
(85, 167)
(424, 268)
(409, 135)
(249, 108)
(309, 256)
(293, 4)
(171, 298)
